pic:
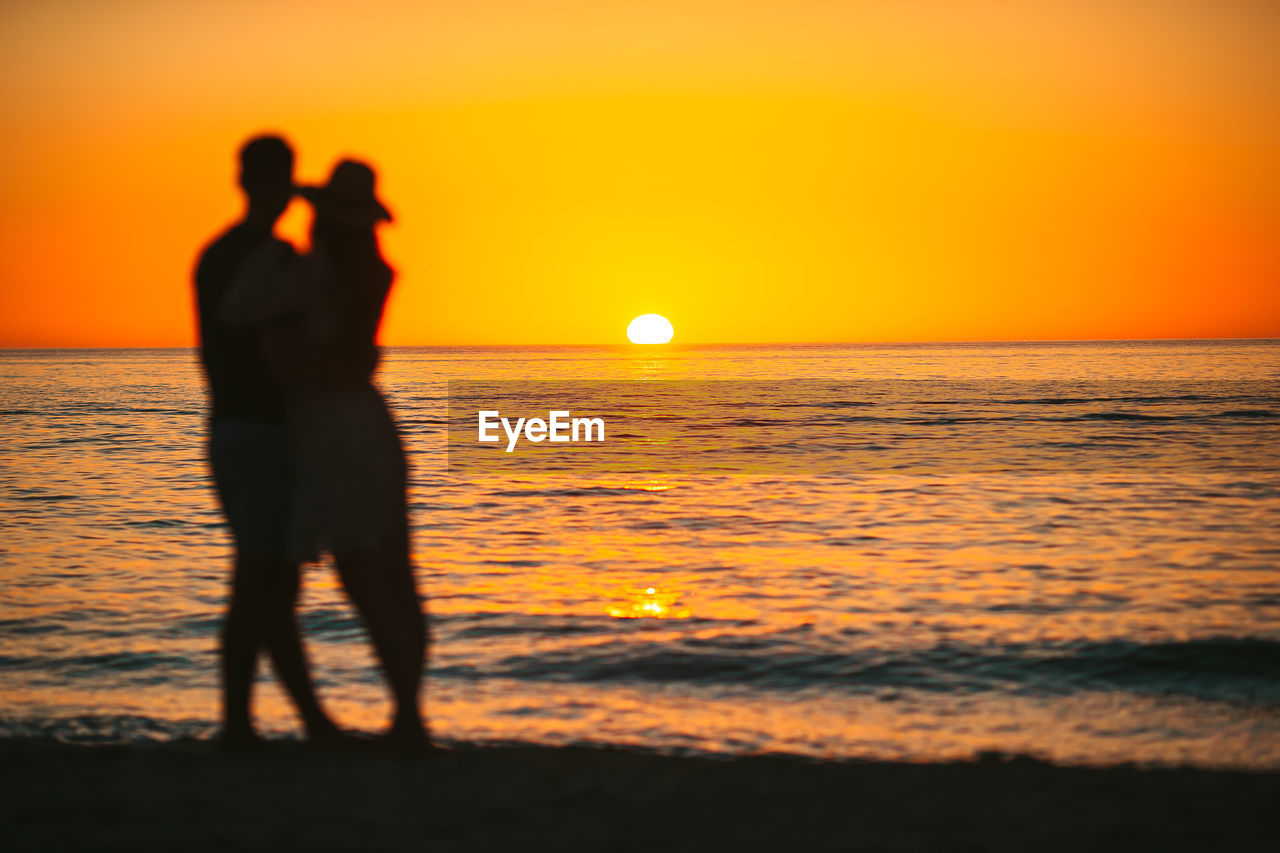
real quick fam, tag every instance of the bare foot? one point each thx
(239, 740)
(325, 733)
(408, 737)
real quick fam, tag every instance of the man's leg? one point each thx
(239, 655)
(253, 480)
(284, 643)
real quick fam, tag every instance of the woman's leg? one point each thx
(404, 589)
(377, 580)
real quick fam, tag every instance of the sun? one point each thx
(650, 329)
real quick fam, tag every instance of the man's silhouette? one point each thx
(250, 459)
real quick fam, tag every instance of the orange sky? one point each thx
(755, 171)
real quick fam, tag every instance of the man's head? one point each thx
(266, 175)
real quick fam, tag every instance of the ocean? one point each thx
(1116, 601)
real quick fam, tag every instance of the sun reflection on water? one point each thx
(649, 603)
(648, 485)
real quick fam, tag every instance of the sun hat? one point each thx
(349, 196)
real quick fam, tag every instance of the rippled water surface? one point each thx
(1108, 607)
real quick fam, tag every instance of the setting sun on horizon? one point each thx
(650, 329)
(766, 171)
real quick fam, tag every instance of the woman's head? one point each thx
(349, 198)
(347, 209)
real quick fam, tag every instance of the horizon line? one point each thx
(691, 344)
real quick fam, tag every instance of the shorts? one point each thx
(252, 473)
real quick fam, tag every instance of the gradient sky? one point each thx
(755, 171)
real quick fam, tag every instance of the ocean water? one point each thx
(1117, 599)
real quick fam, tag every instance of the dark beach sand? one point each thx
(191, 797)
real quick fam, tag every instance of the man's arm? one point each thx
(265, 287)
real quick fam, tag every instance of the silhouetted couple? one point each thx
(305, 456)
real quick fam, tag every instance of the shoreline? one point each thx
(188, 795)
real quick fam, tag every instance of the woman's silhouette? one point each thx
(326, 307)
